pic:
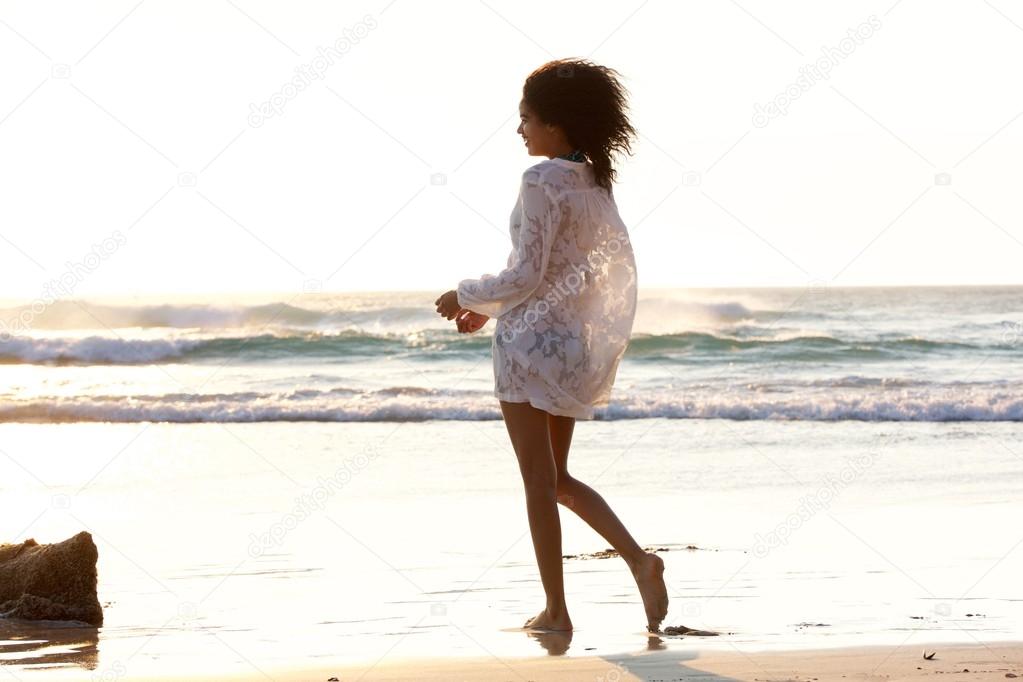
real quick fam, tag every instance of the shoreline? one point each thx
(967, 661)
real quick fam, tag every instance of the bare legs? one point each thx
(527, 428)
(647, 568)
(541, 443)
(584, 500)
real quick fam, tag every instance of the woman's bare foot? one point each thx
(649, 574)
(545, 621)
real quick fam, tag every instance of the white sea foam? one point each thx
(93, 349)
(410, 403)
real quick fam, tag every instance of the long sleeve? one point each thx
(538, 218)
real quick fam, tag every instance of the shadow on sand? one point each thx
(655, 662)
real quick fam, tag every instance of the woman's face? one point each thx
(539, 139)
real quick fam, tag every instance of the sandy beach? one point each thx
(361, 584)
(963, 662)
(960, 662)
(990, 662)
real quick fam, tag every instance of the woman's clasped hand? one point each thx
(466, 320)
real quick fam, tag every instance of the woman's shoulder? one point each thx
(559, 177)
(541, 169)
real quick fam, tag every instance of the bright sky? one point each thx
(132, 122)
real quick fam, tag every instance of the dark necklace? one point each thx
(576, 156)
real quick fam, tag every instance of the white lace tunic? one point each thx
(566, 301)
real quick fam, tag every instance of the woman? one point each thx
(564, 305)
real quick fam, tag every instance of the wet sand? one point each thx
(965, 662)
(960, 662)
(407, 563)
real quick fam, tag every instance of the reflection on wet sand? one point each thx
(48, 644)
(553, 641)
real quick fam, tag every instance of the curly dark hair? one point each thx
(589, 104)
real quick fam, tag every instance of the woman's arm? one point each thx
(540, 215)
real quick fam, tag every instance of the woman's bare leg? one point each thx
(647, 568)
(527, 428)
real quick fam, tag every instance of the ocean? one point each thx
(927, 354)
(286, 478)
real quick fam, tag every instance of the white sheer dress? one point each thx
(565, 303)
